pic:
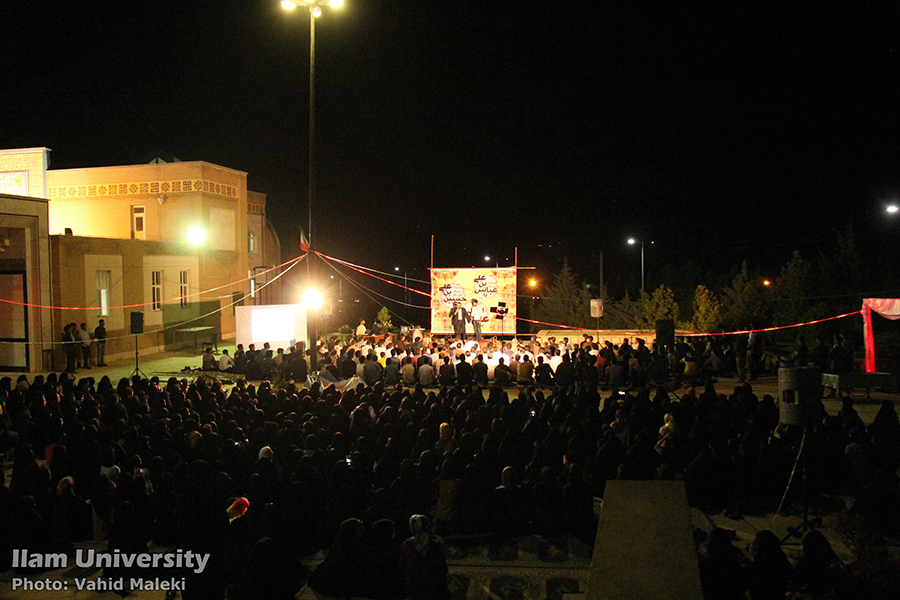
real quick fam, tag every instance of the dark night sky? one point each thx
(722, 131)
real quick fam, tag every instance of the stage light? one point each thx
(312, 299)
(197, 235)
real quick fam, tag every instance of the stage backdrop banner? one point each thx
(491, 287)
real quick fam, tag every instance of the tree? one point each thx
(622, 314)
(743, 301)
(792, 290)
(567, 301)
(794, 293)
(384, 317)
(659, 306)
(707, 311)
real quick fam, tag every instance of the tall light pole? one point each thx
(632, 242)
(405, 284)
(315, 10)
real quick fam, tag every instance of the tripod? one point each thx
(805, 523)
(137, 368)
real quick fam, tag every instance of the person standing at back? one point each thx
(100, 338)
(85, 338)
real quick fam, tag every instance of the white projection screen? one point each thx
(282, 325)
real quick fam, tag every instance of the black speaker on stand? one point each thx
(665, 333)
(137, 328)
(799, 388)
(665, 338)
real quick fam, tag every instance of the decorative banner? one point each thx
(495, 290)
(889, 308)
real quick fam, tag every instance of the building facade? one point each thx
(123, 240)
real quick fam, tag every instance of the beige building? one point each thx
(123, 240)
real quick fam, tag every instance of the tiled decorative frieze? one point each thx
(142, 187)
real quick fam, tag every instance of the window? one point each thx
(103, 278)
(183, 289)
(137, 222)
(156, 289)
(251, 242)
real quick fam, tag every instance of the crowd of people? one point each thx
(77, 343)
(319, 467)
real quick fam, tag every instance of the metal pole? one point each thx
(642, 267)
(601, 275)
(312, 120)
(600, 295)
(312, 159)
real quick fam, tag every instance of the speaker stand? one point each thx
(137, 368)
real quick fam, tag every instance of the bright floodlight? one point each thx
(335, 3)
(486, 258)
(288, 5)
(197, 235)
(532, 282)
(312, 299)
(892, 208)
(632, 241)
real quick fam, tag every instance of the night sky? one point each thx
(721, 131)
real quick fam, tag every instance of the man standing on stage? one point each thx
(458, 317)
(479, 315)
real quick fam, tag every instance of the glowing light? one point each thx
(288, 5)
(532, 282)
(335, 3)
(487, 258)
(892, 208)
(312, 299)
(197, 235)
(766, 282)
(316, 11)
(632, 241)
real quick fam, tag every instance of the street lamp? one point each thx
(405, 283)
(197, 235)
(315, 10)
(632, 242)
(312, 299)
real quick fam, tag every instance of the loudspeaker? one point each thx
(665, 333)
(137, 322)
(798, 389)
